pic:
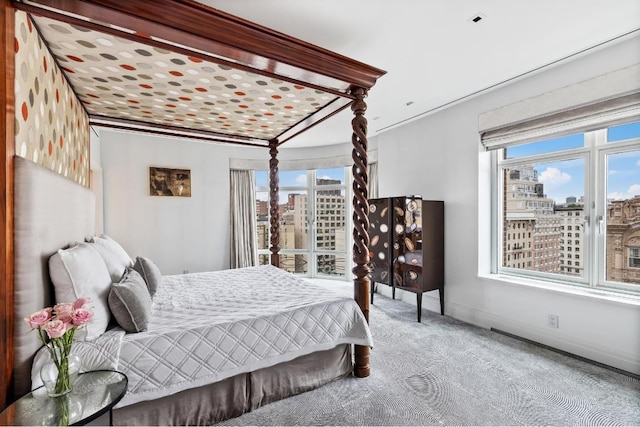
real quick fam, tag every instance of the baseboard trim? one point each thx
(617, 358)
(614, 358)
(566, 353)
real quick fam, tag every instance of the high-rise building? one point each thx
(519, 245)
(341, 245)
(572, 237)
(330, 218)
(329, 225)
(287, 241)
(556, 233)
(524, 194)
(300, 221)
(623, 240)
(262, 208)
(327, 181)
(291, 200)
(531, 230)
(263, 233)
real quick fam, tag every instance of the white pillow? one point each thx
(114, 255)
(80, 271)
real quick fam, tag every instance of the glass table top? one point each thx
(94, 393)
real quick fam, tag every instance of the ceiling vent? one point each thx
(478, 17)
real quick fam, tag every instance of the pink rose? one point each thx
(81, 316)
(63, 311)
(82, 303)
(39, 318)
(55, 328)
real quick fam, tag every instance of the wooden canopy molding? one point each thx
(180, 68)
(193, 70)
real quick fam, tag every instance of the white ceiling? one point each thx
(433, 52)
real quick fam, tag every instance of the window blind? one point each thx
(607, 100)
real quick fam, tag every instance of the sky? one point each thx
(566, 178)
(297, 178)
(294, 179)
(561, 179)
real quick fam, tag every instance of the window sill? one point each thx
(582, 292)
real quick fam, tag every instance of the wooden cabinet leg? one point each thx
(441, 292)
(373, 289)
(419, 304)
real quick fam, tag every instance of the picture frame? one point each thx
(169, 182)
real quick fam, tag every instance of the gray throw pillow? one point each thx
(130, 302)
(149, 272)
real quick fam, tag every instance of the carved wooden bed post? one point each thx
(274, 212)
(361, 282)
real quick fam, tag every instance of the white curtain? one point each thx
(373, 180)
(243, 219)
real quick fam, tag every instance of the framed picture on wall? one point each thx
(169, 182)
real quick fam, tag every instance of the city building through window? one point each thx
(584, 185)
(313, 221)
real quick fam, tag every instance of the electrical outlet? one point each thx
(553, 321)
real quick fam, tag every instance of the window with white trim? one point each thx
(313, 221)
(570, 196)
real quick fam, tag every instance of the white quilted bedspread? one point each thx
(209, 326)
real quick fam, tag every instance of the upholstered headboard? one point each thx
(51, 212)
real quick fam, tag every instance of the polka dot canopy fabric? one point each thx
(118, 78)
(51, 126)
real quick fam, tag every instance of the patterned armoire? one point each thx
(407, 245)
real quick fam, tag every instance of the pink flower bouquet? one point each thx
(56, 327)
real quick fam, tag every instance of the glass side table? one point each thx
(94, 394)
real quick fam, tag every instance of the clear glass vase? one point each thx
(59, 382)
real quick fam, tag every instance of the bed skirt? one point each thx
(242, 393)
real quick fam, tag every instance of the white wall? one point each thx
(179, 234)
(439, 156)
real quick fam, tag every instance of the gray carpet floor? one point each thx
(446, 372)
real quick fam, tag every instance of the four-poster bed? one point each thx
(178, 68)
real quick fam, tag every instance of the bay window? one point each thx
(313, 206)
